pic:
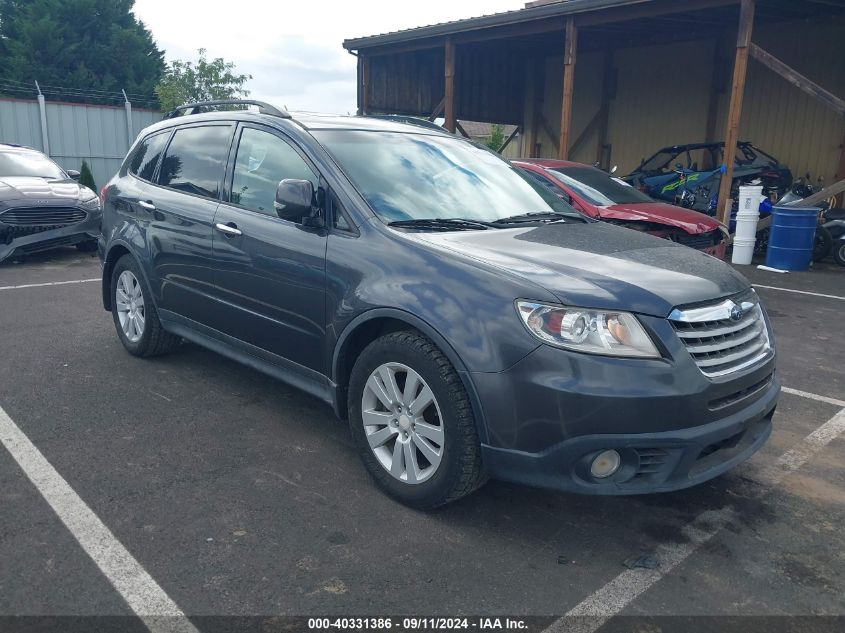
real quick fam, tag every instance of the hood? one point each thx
(690, 221)
(598, 265)
(34, 190)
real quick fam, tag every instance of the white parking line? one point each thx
(51, 283)
(143, 595)
(800, 292)
(812, 396)
(592, 612)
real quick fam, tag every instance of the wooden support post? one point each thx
(365, 85)
(449, 99)
(746, 23)
(571, 46)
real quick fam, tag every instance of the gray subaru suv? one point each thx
(466, 322)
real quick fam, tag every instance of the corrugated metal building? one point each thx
(98, 134)
(644, 74)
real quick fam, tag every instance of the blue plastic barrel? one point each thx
(791, 238)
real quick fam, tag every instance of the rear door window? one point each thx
(145, 158)
(195, 160)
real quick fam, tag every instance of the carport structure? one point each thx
(615, 80)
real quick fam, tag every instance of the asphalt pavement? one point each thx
(242, 496)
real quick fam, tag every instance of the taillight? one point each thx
(103, 193)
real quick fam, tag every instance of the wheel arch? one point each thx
(366, 328)
(115, 252)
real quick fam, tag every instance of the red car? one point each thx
(601, 196)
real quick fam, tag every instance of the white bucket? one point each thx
(743, 250)
(746, 227)
(750, 197)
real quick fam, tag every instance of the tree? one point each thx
(497, 137)
(78, 50)
(203, 80)
(86, 178)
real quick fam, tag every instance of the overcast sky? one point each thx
(293, 49)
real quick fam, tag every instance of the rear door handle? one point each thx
(149, 206)
(230, 230)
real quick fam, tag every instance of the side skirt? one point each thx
(308, 380)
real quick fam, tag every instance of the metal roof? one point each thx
(554, 9)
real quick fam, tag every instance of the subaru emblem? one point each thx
(737, 313)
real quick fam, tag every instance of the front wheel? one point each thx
(412, 422)
(839, 253)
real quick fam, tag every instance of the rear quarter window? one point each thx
(195, 160)
(145, 158)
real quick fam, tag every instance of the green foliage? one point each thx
(203, 80)
(79, 45)
(86, 177)
(497, 137)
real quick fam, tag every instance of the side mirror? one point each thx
(73, 174)
(294, 199)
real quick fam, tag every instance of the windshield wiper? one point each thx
(441, 223)
(535, 216)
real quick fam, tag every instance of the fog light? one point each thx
(605, 464)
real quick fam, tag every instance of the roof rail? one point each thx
(410, 120)
(263, 108)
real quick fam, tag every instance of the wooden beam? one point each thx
(438, 110)
(365, 85)
(650, 9)
(449, 94)
(585, 133)
(746, 25)
(508, 140)
(570, 50)
(820, 196)
(461, 129)
(797, 79)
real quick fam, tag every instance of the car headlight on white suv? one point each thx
(606, 332)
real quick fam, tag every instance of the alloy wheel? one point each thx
(402, 423)
(129, 301)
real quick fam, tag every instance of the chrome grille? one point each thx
(724, 337)
(53, 217)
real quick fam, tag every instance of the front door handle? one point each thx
(229, 230)
(144, 204)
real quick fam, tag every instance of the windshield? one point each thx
(405, 176)
(598, 187)
(19, 163)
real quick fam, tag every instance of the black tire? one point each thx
(460, 471)
(154, 339)
(839, 253)
(88, 246)
(823, 244)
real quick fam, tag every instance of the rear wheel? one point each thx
(839, 253)
(823, 244)
(412, 421)
(134, 313)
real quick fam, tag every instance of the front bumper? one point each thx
(83, 231)
(549, 415)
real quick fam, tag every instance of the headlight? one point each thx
(592, 331)
(92, 204)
